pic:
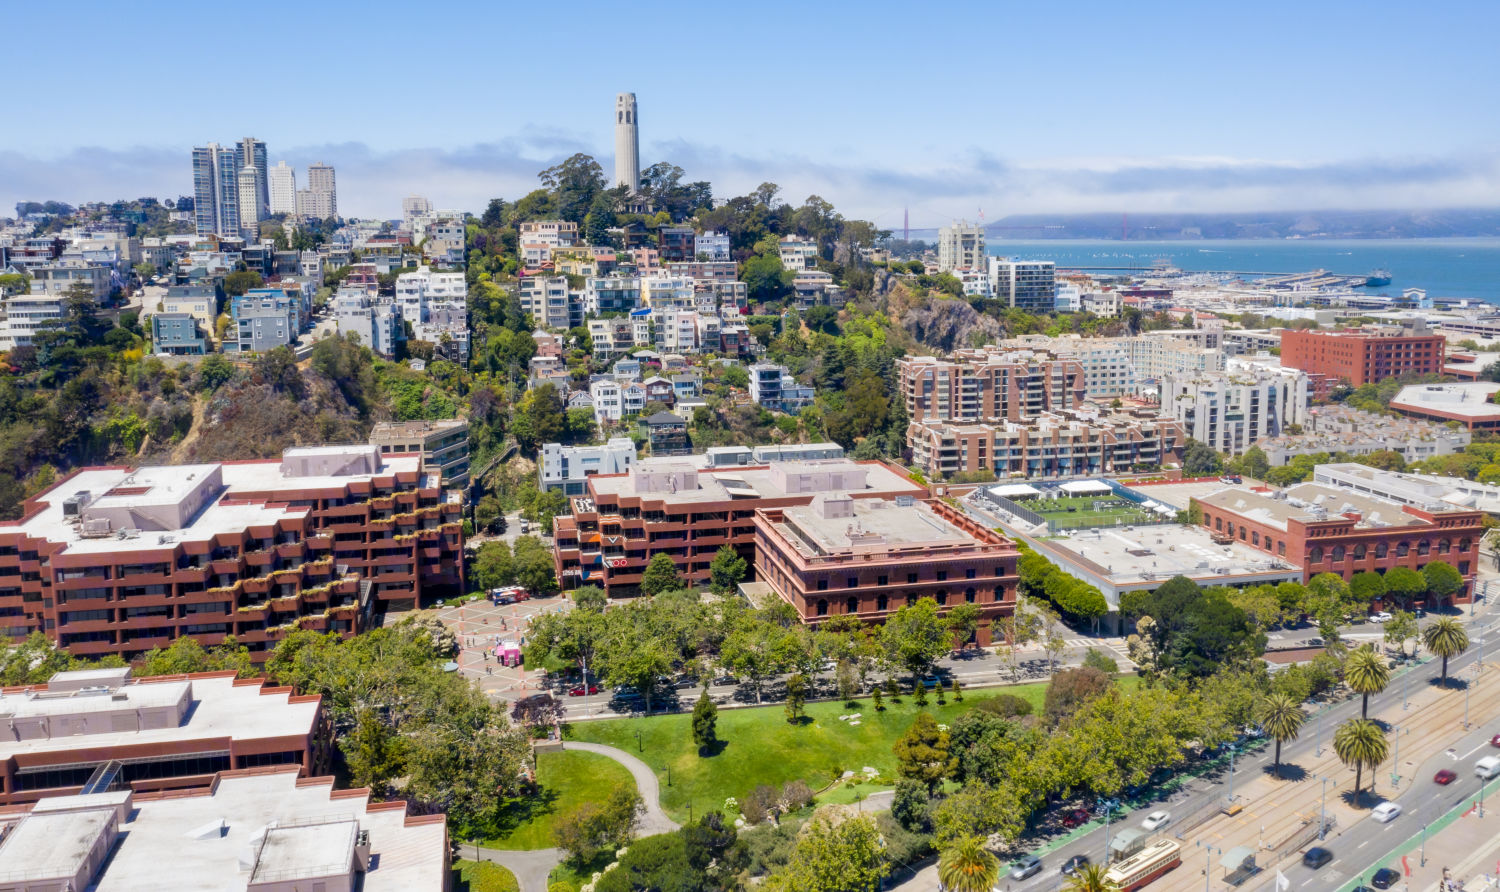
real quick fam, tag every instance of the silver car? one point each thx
(1026, 866)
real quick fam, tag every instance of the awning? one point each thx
(1015, 490)
(1149, 504)
(1083, 487)
(1238, 858)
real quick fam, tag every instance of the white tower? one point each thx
(627, 143)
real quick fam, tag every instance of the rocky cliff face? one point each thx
(940, 323)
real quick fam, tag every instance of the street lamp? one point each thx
(1396, 760)
(639, 746)
(1209, 867)
(1108, 806)
(668, 770)
(1323, 808)
(1424, 845)
(1230, 798)
(1320, 731)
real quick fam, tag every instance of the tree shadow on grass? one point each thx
(524, 809)
(712, 749)
(1290, 771)
(800, 720)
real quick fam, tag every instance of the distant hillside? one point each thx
(1466, 222)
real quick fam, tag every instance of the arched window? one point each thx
(1463, 544)
(1338, 554)
(1403, 549)
(1255, 538)
(822, 607)
(1229, 528)
(851, 605)
(1424, 547)
(1315, 554)
(999, 593)
(882, 602)
(1381, 549)
(1360, 551)
(1242, 534)
(1218, 523)
(1444, 546)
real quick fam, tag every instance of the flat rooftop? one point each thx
(53, 845)
(39, 704)
(873, 525)
(198, 840)
(754, 482)
(1304, 501)
(1468, 400)
(1132, 555)
(220, 710)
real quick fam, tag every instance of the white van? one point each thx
(1487, 768)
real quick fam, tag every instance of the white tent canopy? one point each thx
(1015, 490)
(1085, 487)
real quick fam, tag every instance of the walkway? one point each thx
(533, 866)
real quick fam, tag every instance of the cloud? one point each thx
(372, 182)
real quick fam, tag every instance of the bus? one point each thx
(1145, 865)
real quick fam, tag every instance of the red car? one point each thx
(1444, 777)
(579, 691)
(1495, 741)
(1075, 818)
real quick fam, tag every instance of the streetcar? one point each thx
(1145, 865)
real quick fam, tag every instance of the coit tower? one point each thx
(627, 143)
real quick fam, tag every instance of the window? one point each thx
(882, 580)
(1255, 538)
(942, 599)
(1281, 548)
(942, 575)
(851, 605)
(1359, 552)
(882, 602)
(822, 585)
(1315, 554)
(1219, 523)
(1444, 546)
(851, 582)
(1381, 549)
(822, 607)
(1424, 547)
(999, 593)
(1338, 553)
(911, 578)
(1403, 549)
(970, 573)
(970, 595)
(1463, 544)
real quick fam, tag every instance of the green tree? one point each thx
(596, 827)
(796, 697)
(1367, 586)
(1366, 673)
(533, 563)
(705, 722)
(33, 661)
(915, 636)
(1091, 878)
(1443, 581)
(1445, 638)
(1405, 584)
(1200, 460)
(539, 418)
(1281, 718)
(963, 622)
(1400, 628)
(214, 371)
(661, 575)
(237, 283)
(494, 565)
(374, 755)
(1359, 743)
(967, 866)
(727, 571)
(848, 856)
(922, 753)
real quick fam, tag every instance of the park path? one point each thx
(532, 866)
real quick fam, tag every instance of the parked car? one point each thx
(1386, 812)
(580, 691)
(1385, 878)
(1025, 866)
(1074, 864)
(1075, 818)
(1315, 642)
(1444, 777)
(1495, 741)
(1157, 820)
(1381, 617)
(1316, 857)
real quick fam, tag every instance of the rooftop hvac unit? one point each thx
(905, 501)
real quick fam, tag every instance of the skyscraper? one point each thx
(627, 143)
(249, 184)
(283, 189)
(228, 186)
(251, 152)
(323, 192)
(206, 188)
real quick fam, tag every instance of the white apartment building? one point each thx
(712, 246)
(1105, 304)
(375, 321)
(1069, 298)
(283, 186)
(668, 293)
(417, 291)
(605, 392)
(553, 233)
(798, 253)
(960, 246)
(548, 301)
(198, 302)
(1230, 411)
(567, 468)
(1029, 285)
(414, 207)
(25, 315)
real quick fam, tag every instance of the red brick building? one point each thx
(151, 734)
(1362, 356)
(870, 557)
(682, 508)
(119, 561)
(1334, 529)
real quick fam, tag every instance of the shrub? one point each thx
(912, 806)
(797, 795)
(1007, 706)
(757, 806)
(1098, 659)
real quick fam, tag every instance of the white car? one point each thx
(1386, 812)
(1157, 820)
(1381, 617)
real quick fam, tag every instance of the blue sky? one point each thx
(943, 108)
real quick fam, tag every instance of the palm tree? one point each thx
(1366, 673)
(1281, 717)
(1091, 878)
(1445, 638)
(967, 866)
(1360, 742)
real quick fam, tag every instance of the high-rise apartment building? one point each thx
(960, 246)
(1025, 285)
(249, 187)
(989, 385)
(1363, 356)
(206, 188)
(1230, 411)
(627, 143)
(251, 152)
(283, 189)
(320, 198)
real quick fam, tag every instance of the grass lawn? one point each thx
(568, 778)
(577, 877)
(1084, 514)
(483, 876)
(760, 747)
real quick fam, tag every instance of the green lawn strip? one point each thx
(843, 794)
(568, 778)
(761, 747)
(483, 876)
(1414, 842)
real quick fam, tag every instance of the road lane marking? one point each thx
(1476, 749)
